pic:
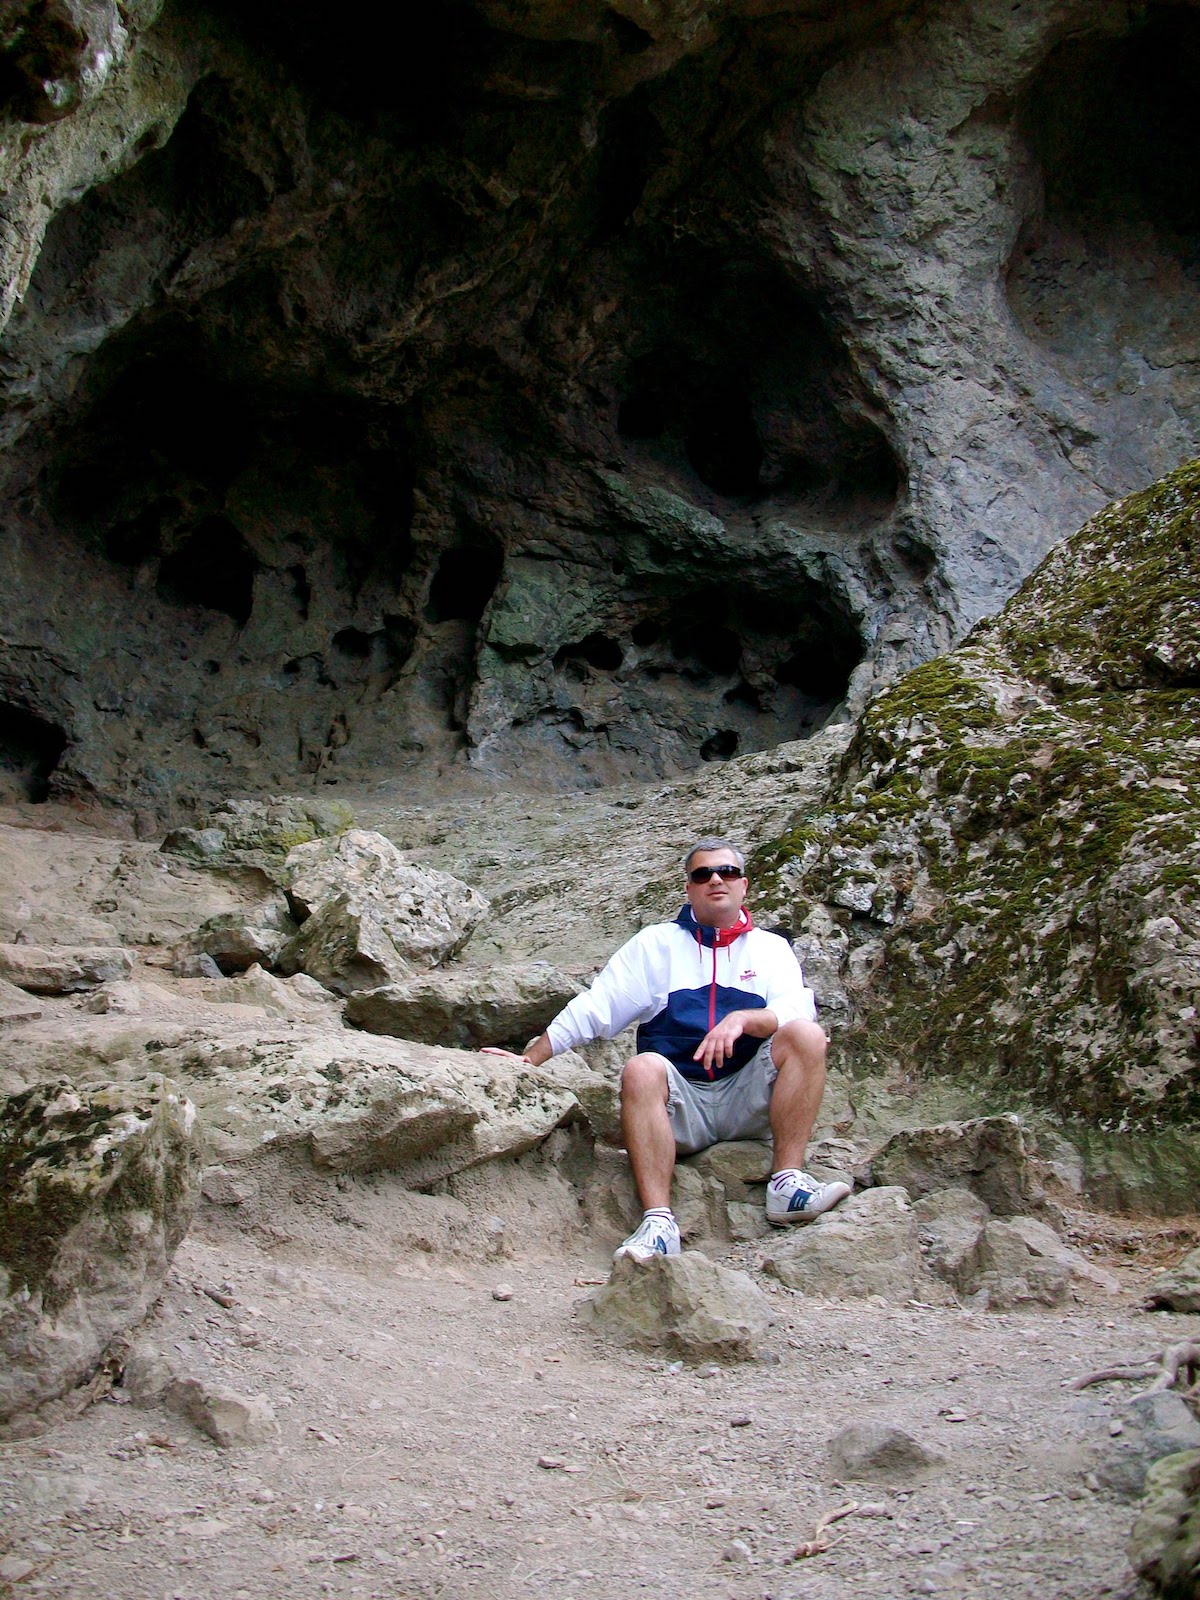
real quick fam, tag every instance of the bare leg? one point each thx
(798, 1050)
(646, 1128)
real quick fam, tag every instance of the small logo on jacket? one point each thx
(746, 976)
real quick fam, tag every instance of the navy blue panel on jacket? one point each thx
(676, 1032)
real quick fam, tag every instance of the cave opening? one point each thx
(213, 567)
(745, 394)
(464, 581)
(599, 651)
(30, 749)
(1111, 259)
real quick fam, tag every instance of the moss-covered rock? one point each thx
(97, 1186)
(1009, 851)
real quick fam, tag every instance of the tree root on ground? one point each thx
(821, 1539)
(1176, 1367)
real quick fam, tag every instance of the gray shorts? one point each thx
(704, 1113)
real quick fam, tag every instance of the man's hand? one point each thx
(717, 1045)
(535, 1052)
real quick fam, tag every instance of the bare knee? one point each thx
(800, 1042)
(644, 1077)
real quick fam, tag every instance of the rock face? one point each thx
(1008, 851)
(97, 1186)
(412, 406)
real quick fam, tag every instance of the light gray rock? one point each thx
(345, 947)
(1155, 1426)
(63, 969)
(46, 928)
(1008, 1272)
(229, 1418)
(16, 1005)
(258, 833)
(195, 964)
(1178, 1288)
(987, 1156)
(97, 1186)
(879, 1451)
(950, 1223)
(226, 1186)
(684, 1305)
(1164, 1544)
(466, 1006)
(866, 1246)
(427, 915)
(299, 998)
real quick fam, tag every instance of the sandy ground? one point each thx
(416, 1409)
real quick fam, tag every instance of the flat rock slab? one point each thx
(685, 1305)
(466, 1006)
(63, 969)
(97, 1187)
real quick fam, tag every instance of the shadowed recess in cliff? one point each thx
(30, 749)
(738, 388)
(1111, 261)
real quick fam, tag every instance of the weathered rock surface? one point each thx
(257, 833)
(867, 1245)
(466, 1006)
(686, 1305)
(880, 1451)
(371, 918)
(62, 969)
(236, 942)
(988, 1156)
(1008, 851)
(16, 1005)
(230, 1419)
(97, 1186)
(1155, 1426)
(1164, 1546)
(1178, 1288)
(844, 321)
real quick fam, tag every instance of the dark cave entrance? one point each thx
(30, 750)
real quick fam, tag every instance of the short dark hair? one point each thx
(705, 845)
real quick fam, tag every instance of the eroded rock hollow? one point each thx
(566, 393)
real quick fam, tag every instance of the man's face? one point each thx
(715, 901)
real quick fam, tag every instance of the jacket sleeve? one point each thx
(787, 994)
(622, 993)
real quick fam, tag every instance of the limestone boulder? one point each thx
(1164, 1545)
(97, 1187)
(987, 1155)
(683, 1305)
(369, 917)
(63, 969)
(466, 1006)
(1178, 1288)
(1154, 1427)
(356, 1103)
(299, 998)
(868, 1245)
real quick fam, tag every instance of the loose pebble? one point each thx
(502, 1291)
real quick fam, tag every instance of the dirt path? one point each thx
(415, 1408)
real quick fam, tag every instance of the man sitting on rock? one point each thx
(728, 1047)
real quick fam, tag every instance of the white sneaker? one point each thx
(794, 1196)
(655, 1236)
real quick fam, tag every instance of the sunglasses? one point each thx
(726, 870)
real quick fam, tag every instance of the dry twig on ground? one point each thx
(821, 1540)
